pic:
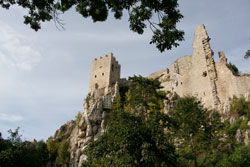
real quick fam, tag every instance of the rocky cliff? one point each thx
(90, 126)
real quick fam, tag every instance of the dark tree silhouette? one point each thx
(160, 15)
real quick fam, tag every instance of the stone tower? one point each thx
(105, 72)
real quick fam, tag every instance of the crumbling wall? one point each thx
(194, 75)
(198, 75)
(229, 84)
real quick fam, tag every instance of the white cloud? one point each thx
(10, 118)
(16, 50)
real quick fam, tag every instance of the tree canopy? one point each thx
(196, 132)
(133, 136)
(131, 142)
(160, 15)
(14, 152)
(139, 133)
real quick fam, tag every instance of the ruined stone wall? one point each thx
(159, 74)
(180, 81)
(203, 73)
(105, 72)
(230, 84)
(193, 75)
(198, 75)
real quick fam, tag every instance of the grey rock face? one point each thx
(91, 125)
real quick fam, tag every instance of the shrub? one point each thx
(234, 68)
(247, 55)
(78, 118)
(240, 106)
(52, 147)
(63, 153)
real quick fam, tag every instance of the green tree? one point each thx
(78, 118)
(131, 142)
(52, 148)
(240, 157)
(14, 152)
(143, 96)
(63, 153)
(247, 54)
(234, 68)
(240, 107)
(196, 132)
(160, 15)
(133, 139)
(58, 152)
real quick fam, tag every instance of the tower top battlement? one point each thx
(105, 56)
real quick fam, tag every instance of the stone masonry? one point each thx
(104, 73)
(200, 76)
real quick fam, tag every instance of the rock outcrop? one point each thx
(91, 125)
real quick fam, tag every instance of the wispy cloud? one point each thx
(10, 117)
(16, 50)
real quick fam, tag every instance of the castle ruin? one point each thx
(214, 83)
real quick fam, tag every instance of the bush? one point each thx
(52, 147)
(135, 134)
(243, 125)
(247, 55)
(240, 107)
(131, 141)
(63, 153)
(78, 118)
(196, 132)
(15, 152)
(234, 68)
(240, 157)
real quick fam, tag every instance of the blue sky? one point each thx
(44, 75)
